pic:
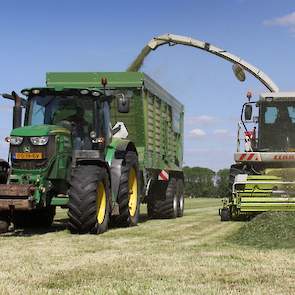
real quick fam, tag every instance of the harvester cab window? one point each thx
(277, 126)
(270, 115)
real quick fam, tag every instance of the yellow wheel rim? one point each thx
(132, 192)
(101, 203)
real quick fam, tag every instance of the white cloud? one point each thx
(197, 133)
(287, 21)
(200, 120)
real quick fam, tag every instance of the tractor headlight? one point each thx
(16, 140)
(39, 140)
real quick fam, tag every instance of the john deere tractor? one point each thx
(263, 177)
(97, 144)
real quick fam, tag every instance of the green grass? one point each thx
(189, 255)
(273, 230)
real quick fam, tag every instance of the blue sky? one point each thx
(39, 36)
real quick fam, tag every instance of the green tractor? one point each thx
(263, 177)
(90, 142)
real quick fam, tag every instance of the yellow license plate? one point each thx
(28, 156)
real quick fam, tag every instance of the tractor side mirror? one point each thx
(248, 112)
(123, 102)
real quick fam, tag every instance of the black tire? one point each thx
(167, 208)
(4, 222)
(36, 218)
(180, 198)
(89, 200)
(128, 210)
(4, 170)
(150, 209)
(225, 214)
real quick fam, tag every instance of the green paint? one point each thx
(263, 193)
(159, 146)
(39, 130)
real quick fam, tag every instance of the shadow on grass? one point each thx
(58, 225)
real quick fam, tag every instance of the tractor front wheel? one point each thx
(89, 200)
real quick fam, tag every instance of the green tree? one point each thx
(222, 189)
(199, 182)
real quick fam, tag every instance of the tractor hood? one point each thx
(39, 130)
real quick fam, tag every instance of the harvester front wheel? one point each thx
(225, 214)
(128, 195)
(89, 200)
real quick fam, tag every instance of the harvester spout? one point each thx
(187, 41)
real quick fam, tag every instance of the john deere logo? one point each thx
(27, 149)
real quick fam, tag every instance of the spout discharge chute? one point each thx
(187, 41)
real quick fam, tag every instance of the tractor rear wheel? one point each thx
(89, 200)
(128, 195)
(168, 208)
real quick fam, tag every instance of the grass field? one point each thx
(189, 255)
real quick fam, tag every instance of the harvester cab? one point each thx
(263, 178)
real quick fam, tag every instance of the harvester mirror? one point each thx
(122, 103)
(248, 112)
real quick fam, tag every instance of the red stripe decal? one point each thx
(242, 157)
(163, 175)
(250, 156)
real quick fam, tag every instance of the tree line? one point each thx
(204, 182)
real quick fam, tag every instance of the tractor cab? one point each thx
(85, 113)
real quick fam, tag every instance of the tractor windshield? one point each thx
(70, 111)
(277, 126)
(52, 109)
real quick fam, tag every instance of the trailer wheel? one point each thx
(128, 195)
(168, 208)
(225, 214)
(89, 200)
(180, 198)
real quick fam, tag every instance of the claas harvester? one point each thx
(263, 177)
(98, 144)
